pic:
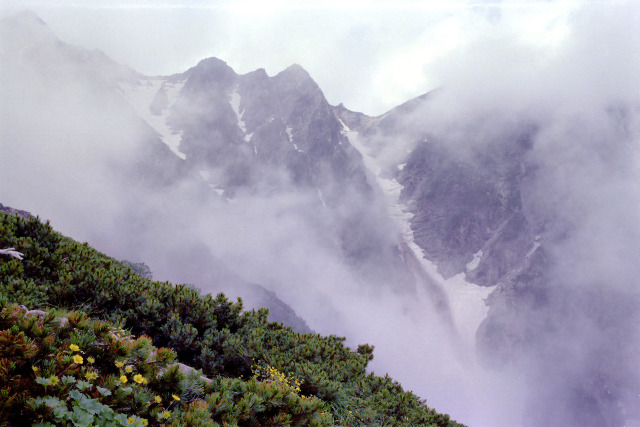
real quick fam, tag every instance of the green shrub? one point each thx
(211, 334)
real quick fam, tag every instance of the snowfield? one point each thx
(141, 97)
(466, 300)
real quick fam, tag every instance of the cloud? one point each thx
(571, 68)
(578, 94)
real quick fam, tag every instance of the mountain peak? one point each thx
(295, 76)
(211, 70)
(27, 17)
(297, 71)
(26, 22)
(22, 30)
(214, 66)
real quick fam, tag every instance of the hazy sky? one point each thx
(571, 66)
(369, 55)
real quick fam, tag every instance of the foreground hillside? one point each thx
(113, 348)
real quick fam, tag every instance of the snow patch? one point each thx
(207, 176)
(234, 100)
(536, 245)
(466, 300)
(140, 96)
(473, 264)
(289, 131)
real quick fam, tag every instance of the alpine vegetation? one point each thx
(120, 366)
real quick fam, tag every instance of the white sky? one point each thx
(369, 55)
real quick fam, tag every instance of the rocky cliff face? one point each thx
(164, 159)
(185, 147)
(13, 211)
(477, 207)
(255, 134)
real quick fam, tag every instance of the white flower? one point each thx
(12, 252)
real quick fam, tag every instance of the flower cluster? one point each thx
(69, 396)
(128, 369)
(271, 374)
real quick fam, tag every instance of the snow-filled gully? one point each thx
(466, 300)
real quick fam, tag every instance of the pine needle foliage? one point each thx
(257, 373)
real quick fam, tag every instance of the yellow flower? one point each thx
(128, 369)
(35, 368)
(131, 420)
(176, 398)
(158, 399)
(165, 414)
(123, 379)
(77, 359)
(54, 380)
(119, 364)
(91, 360)
(138, 378)
(91, 376)
(145, 422)
(74, 347)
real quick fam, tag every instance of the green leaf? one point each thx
(81, 418)
(52, 402)
(75, 394)
(67, 379)
(60, 412)
(81, 385)
(43, 381)
(93, 406)
(104, 391)
(122, 419)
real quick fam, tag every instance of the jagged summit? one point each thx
(23, 29)
(27, 17)
(291, 192)
(296, 70)
(295, 76)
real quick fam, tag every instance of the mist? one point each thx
(579, 104)
(65, 155)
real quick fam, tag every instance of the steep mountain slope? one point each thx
(111, 156)
(477, 195)
(413, 218)
(258, 135)
(64, 368)
(192, 172)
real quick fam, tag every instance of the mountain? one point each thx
(480, 205)
(135, 154)
(168, 159)
(470, 229)
(156, 352)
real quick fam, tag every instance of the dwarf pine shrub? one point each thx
(302, 379)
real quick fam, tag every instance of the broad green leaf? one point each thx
(104, 391)
(52, 401)
(92, 406)
(122, 419)
(81, 418)
(44, 381)
(75, 394)
(60, 412)
(81, 385)
(67, 379)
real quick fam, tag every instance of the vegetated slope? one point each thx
(262, 373)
